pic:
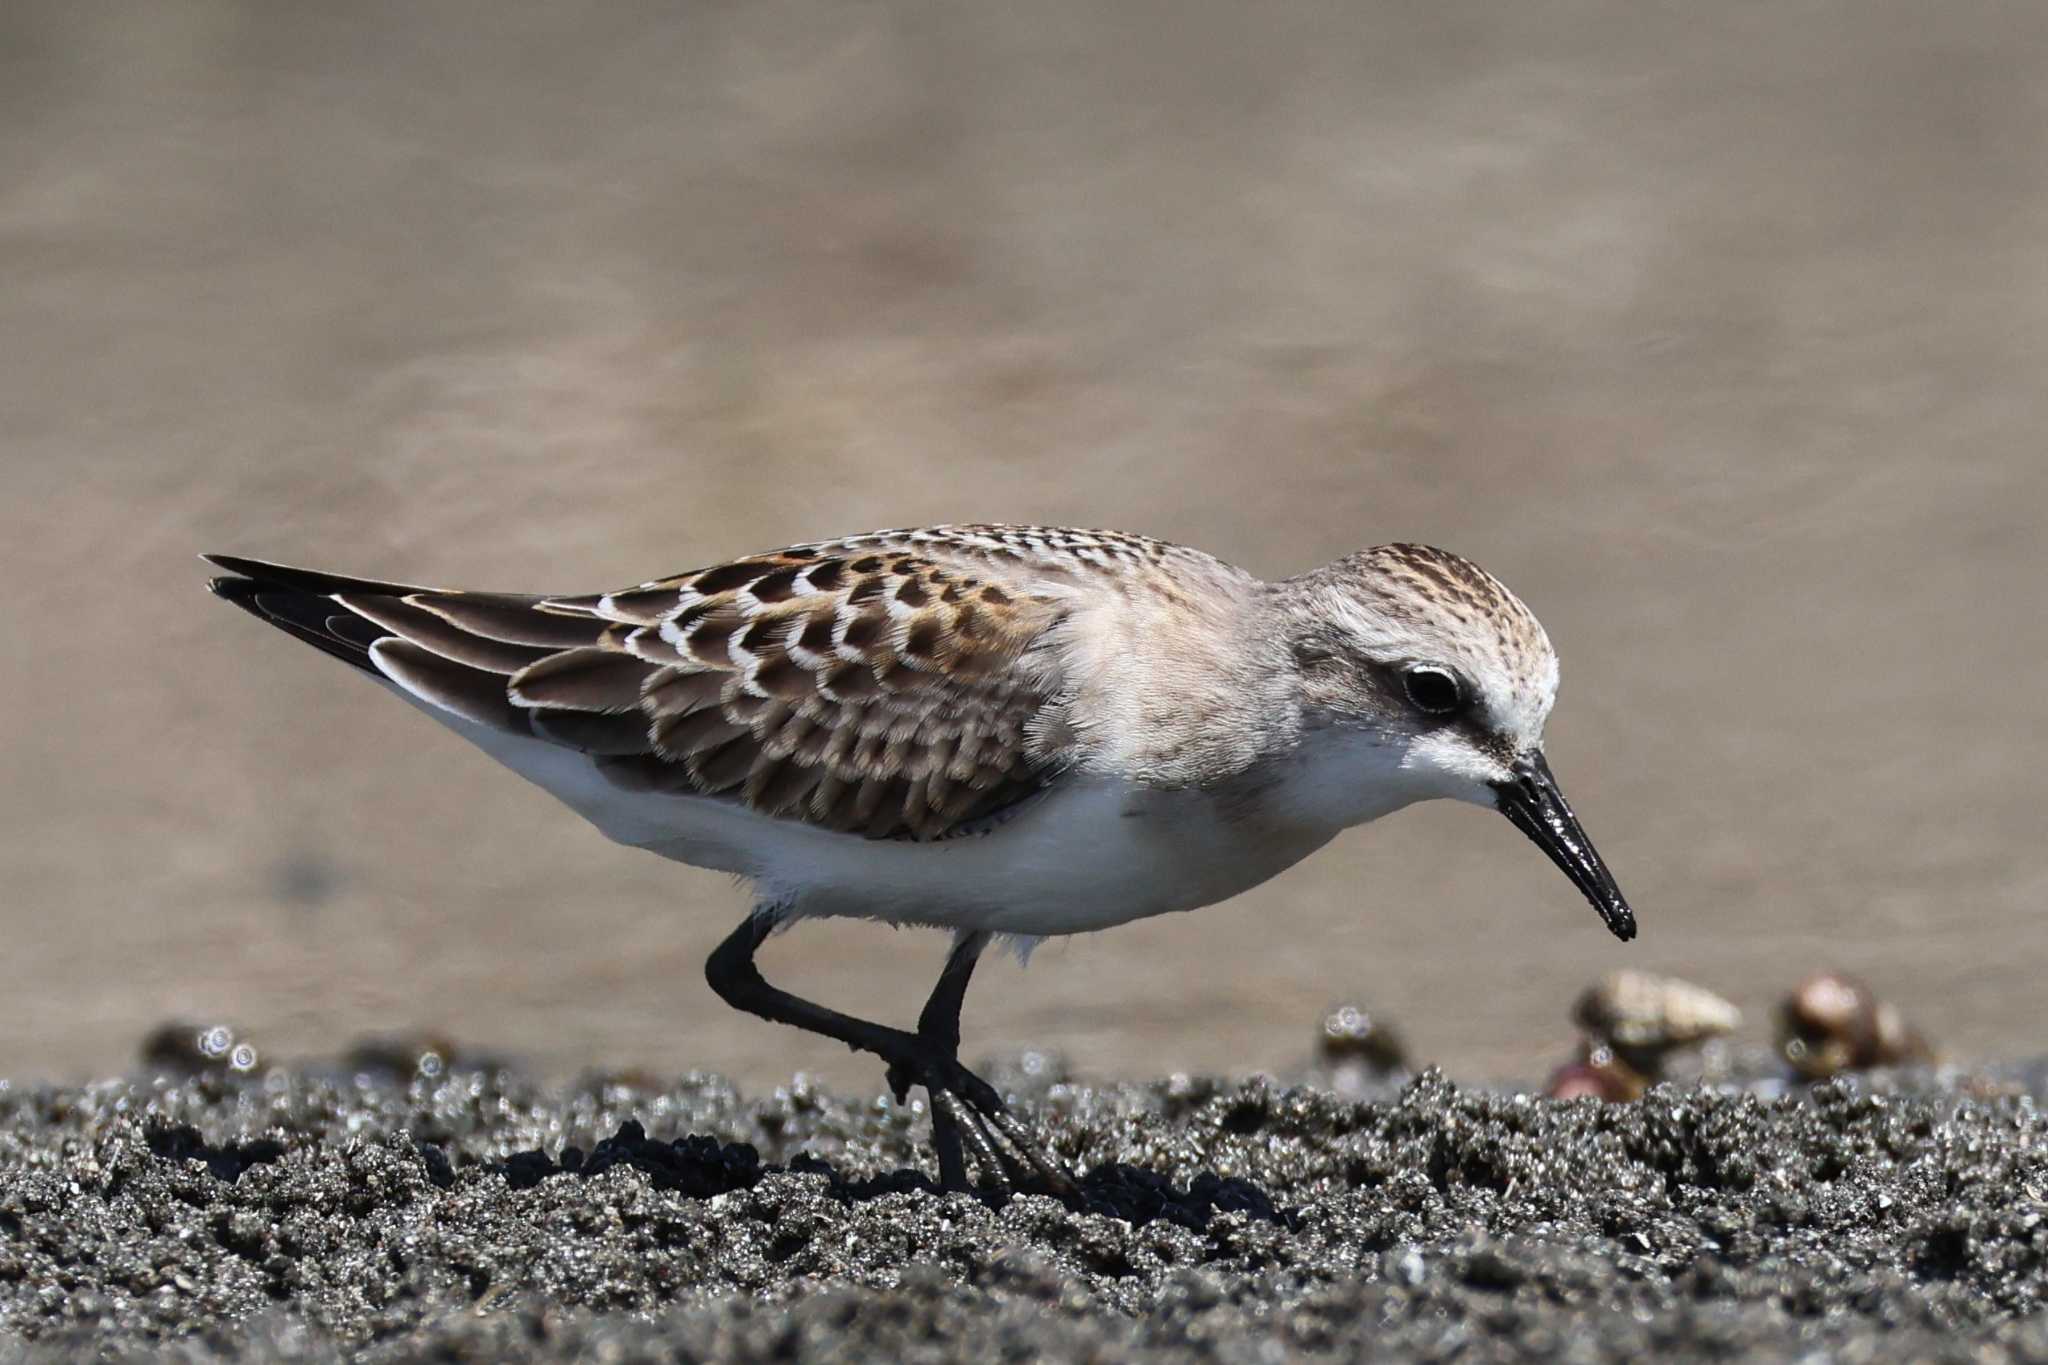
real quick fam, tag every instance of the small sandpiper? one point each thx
(1005, 731)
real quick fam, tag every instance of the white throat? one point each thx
(1341, 775)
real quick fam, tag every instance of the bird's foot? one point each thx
(970, 1119)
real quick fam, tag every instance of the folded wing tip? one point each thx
(236, 564)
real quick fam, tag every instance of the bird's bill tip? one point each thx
(1532, 801)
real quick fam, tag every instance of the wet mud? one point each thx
(309, 1214)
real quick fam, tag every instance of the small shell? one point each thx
(1351, 1037)
(1639, 1013)
(1599, 1074)
(1832, 1023)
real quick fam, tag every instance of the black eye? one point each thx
(1432, 690)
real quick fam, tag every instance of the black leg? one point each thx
(732, 973)
(963, 1106)
(939, 1025)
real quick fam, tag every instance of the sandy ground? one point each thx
(1718, 331)
(316, 1216)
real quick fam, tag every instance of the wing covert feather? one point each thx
(885, 685)
(862, 688)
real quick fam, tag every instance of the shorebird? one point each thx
(1004, 731)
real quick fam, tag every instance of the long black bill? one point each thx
(1540, 811)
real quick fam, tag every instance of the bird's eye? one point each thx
(1432, 690)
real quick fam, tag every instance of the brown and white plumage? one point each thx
(1029, 729)
(885, 685)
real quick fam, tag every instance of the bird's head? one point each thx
(1439, 681)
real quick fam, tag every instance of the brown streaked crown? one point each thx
(1417, 603)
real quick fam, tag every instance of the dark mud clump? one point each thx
(470, 1215)
(704, 1167)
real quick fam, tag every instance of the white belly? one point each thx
(1090, 854)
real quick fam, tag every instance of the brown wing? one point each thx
(861, 686)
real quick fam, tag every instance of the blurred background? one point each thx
(1718, 332)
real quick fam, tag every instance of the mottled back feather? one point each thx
(887, 685)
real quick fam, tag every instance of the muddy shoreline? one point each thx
(310, 1214)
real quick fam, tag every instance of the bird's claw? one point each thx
(969, 1119)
